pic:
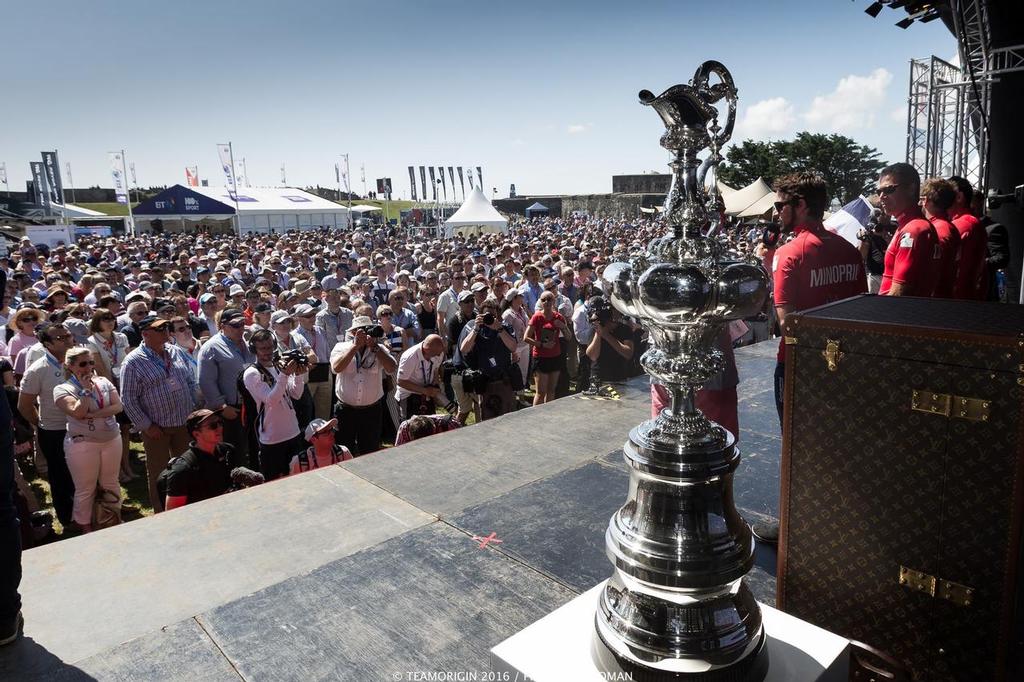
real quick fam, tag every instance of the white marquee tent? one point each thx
(752, 200)
(475, 216)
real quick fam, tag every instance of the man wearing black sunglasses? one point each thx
(204, 469)
(913, 258)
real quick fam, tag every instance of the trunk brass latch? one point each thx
(950, 406)
(936, 587)
(832, 354)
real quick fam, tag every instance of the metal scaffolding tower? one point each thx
(947, 123)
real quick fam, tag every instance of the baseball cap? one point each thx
(206, 298)
(466, 296)
(478, 286)
(196, 419)
(318, 426)
(279, 317)
(152, 322)
(236, 290)
(262, 308)
(302, 310)
(230, 315)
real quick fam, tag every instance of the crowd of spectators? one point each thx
(274, 354)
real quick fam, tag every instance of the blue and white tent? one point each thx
(850, 219)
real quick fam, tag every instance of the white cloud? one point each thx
(518, 142)
(576, 128)
(899, 114)
(852, 105)
(769, 118)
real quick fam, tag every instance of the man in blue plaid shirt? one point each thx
(158, 389)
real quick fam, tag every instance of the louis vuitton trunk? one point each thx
(903, 480)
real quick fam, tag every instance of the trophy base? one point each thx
(564, 645)
(752, 668)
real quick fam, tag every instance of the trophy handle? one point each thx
(711, 94)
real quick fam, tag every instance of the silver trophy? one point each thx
(676, 606)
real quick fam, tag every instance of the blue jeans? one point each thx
(780, 385)
(10, 526)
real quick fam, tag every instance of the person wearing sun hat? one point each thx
(360, 364)
(322, 451)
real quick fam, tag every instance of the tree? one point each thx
(848, 168)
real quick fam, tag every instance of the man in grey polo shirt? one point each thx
(221, 361)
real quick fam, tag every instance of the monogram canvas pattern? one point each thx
(874, 485)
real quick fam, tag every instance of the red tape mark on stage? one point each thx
(483, 542)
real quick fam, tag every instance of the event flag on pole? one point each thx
(462, 183)
(451, 176)
(433, 181)
(850, 220)
(39, 185)
(192, 176)
(53, 179)
(444, 186)
(480, 178)
(412, 183)
(423, 182)
(3, 174)
(469, 174)
(284, 178)
(131, 170)
(224, 152)
(117, 173)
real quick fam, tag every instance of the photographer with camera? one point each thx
(419, 389)
(360, 365)
(611, 348)
(274, 381)
(487, 346)
(874, 240)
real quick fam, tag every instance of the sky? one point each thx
(540, 94)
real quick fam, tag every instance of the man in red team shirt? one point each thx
(937, 197)
(913, 257)
(970, 277)
(814, 268)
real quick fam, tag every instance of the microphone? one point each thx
(245, 478)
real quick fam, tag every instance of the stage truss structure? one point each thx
(949, 104)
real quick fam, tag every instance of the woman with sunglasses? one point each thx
(182, 336)
(92, 446)
(109, 349)
(23, 322)
(544, 334)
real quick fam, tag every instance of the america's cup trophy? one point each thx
(677, 606)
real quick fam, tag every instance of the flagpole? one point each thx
(348, 191)
(71, 181)
(234, 194)
(124, 174)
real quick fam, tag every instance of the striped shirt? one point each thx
(158, 391)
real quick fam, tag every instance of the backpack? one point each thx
(162, 480)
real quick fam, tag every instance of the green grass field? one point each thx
(112, 208)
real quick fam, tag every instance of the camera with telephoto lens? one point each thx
(375, 332)
(489, 319)
(770, 234)
(600, 310)
(282, 358)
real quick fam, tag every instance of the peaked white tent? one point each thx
(475, 216)
(752, 197)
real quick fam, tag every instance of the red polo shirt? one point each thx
(814, 268)
(949, 252)
(971, 283)
(913, 256)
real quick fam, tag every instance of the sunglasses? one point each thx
(385, 315)
(237, 325)
(30, 320)
(779, 205)
(86, 363)
(887, 190)
(213, 424)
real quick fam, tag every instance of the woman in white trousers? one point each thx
(93, 442)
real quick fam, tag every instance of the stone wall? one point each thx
(647, 183)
